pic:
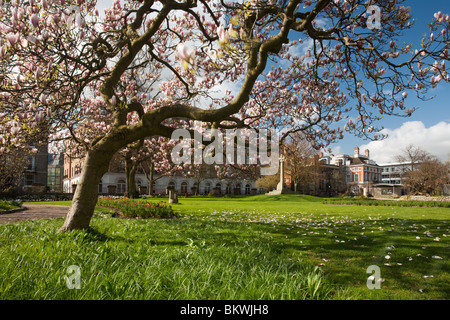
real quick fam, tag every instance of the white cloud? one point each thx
(435, 140)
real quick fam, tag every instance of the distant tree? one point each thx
(428, 177)
(12, 166)
(413, 155)
(301, 161)
(268, 182)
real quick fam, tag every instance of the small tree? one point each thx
(301, 161)
(268, 182)
(12, 167)
(428, 177)
(413, 155)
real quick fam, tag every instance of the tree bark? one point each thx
(150, 179)
(130, 169)
(86, 194)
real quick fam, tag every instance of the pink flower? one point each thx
(38, 73)
(39, 116)
(35, 19)
(14, 130)
(224, 37)
(43, 98)
(79, 21)
(185, 54)
(12, 38)
(232, 33)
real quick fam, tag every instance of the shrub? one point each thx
(138, 208)
(11, 204)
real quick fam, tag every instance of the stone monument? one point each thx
(281, 189)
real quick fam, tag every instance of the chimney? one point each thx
(320, 155)
(366, 153)
(356, 151)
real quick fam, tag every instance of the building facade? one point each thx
(361, 173)
(55, 172)
(114, 182)
(36, 172)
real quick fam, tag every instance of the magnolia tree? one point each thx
(153, 157)
(300, 65)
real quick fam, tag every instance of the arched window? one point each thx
(218, 188)
(100, 187)
(171, 185)
(121, 187)
(207, 188)
(184, 187)
(237, 189)
(247, 189)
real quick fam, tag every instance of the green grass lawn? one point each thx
(260, 247)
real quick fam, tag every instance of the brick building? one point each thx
(361, 173)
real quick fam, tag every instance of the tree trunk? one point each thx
(86, 194)
(150, 179)
(130, 169)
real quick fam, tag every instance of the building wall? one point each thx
(114, 181)
(35, 175)
(55, 172)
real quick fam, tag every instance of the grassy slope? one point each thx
(251, 248)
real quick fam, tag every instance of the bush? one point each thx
(138, 208)
(8, 205)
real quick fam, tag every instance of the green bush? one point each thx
(8, 205)
(138, 208)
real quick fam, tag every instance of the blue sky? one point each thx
(428, 127)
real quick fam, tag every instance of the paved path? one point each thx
(35, 211)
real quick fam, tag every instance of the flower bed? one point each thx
(8, 205)
(138, 208)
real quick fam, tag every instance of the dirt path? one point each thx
(35, 211)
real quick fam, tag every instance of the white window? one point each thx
(121, 186)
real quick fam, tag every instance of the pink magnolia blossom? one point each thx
(223, 35)
(12, 38)
(39, 116)
(185, 54)
(35, 19)
(43, 98)
(38, 73)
